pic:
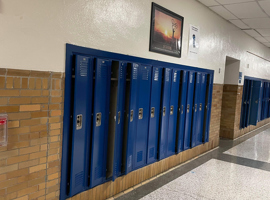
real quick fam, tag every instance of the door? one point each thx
(254, 103)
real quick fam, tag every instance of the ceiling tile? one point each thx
(239, 23)
(246, 10)
(267, 44)
(252, 33)
(209, 2)
(220, 10)
(258, 23)
(223, 2)
(265, 6)
(267, 38)
(264, 32)
(261, 39)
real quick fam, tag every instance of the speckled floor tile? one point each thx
(255, 148)
(216, 180)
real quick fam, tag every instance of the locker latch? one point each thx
(98, 119)
(140, 113)
(164, 111)
(131, 116)
(152, 112)
(119, 115)
(195, 108)
(256, 101)
(188, 108)
(200, 107)
(79, 122)
(171, 110)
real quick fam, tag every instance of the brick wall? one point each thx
(231, 113)
(30, 163)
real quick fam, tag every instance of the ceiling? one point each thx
(252, 16)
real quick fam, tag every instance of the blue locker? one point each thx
(133, 116)
(81, 124)
(254, 103)
(208, 103)
(182, 111)
(268, 101)
(171, 143)
(100, 122)
(196, 102)
(118, 142)
(264, 115)
(247, 105)
(143, 109)
(188, 122)
(200, 111)
(260, 103)
(164, 113)
(154, 115)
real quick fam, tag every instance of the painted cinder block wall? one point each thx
(32, 60)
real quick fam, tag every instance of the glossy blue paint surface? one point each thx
(164, 113)
(119, 128)
(254, 104)
(171, 144)
(154, 119)
(182, 111)
(100, 132)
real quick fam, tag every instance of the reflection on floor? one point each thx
(255, 148)
(239, 169)
(217, 180)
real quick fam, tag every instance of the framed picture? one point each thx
(166, 31)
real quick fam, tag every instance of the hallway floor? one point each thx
(238, 169)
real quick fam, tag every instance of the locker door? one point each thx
(143, 109)
(200, 111)
(242, 119)
(247, 106)
(81, 124)
(260, 102)
(265, 100)
(119, 121)
(173, 112)
(164, 113)
(100, 122)
(154, 115)
(190, 94)
(207, 113)
(268, 101)
(196, 102)
(182, 111)
(254, 103)
(133, 116)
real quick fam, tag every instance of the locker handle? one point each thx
(200, 107)
(119, 116)
(98, 119)
(164, 111)
(245, 102)
(182, 109)
(131, 116)
(140, 113)
(171, 110)
(152, 112)
(79, 122)
(256, 101)
(188, 108)
(195, 108)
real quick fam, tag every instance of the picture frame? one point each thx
(166, 31)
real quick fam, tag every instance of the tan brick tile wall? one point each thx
(31, 150)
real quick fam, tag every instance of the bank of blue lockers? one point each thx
(122, 113)
(255, 101)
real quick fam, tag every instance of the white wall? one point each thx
(33, 33)
(231, 76)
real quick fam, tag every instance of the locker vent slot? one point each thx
(151, 152)
(102, 71)
(135, 72)
(121, 71)
(98, 173)
(174, 77)
(156, 75)
(145, 74)
(83, 67)
(139, 156)
(167, 78)
(79, 179)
